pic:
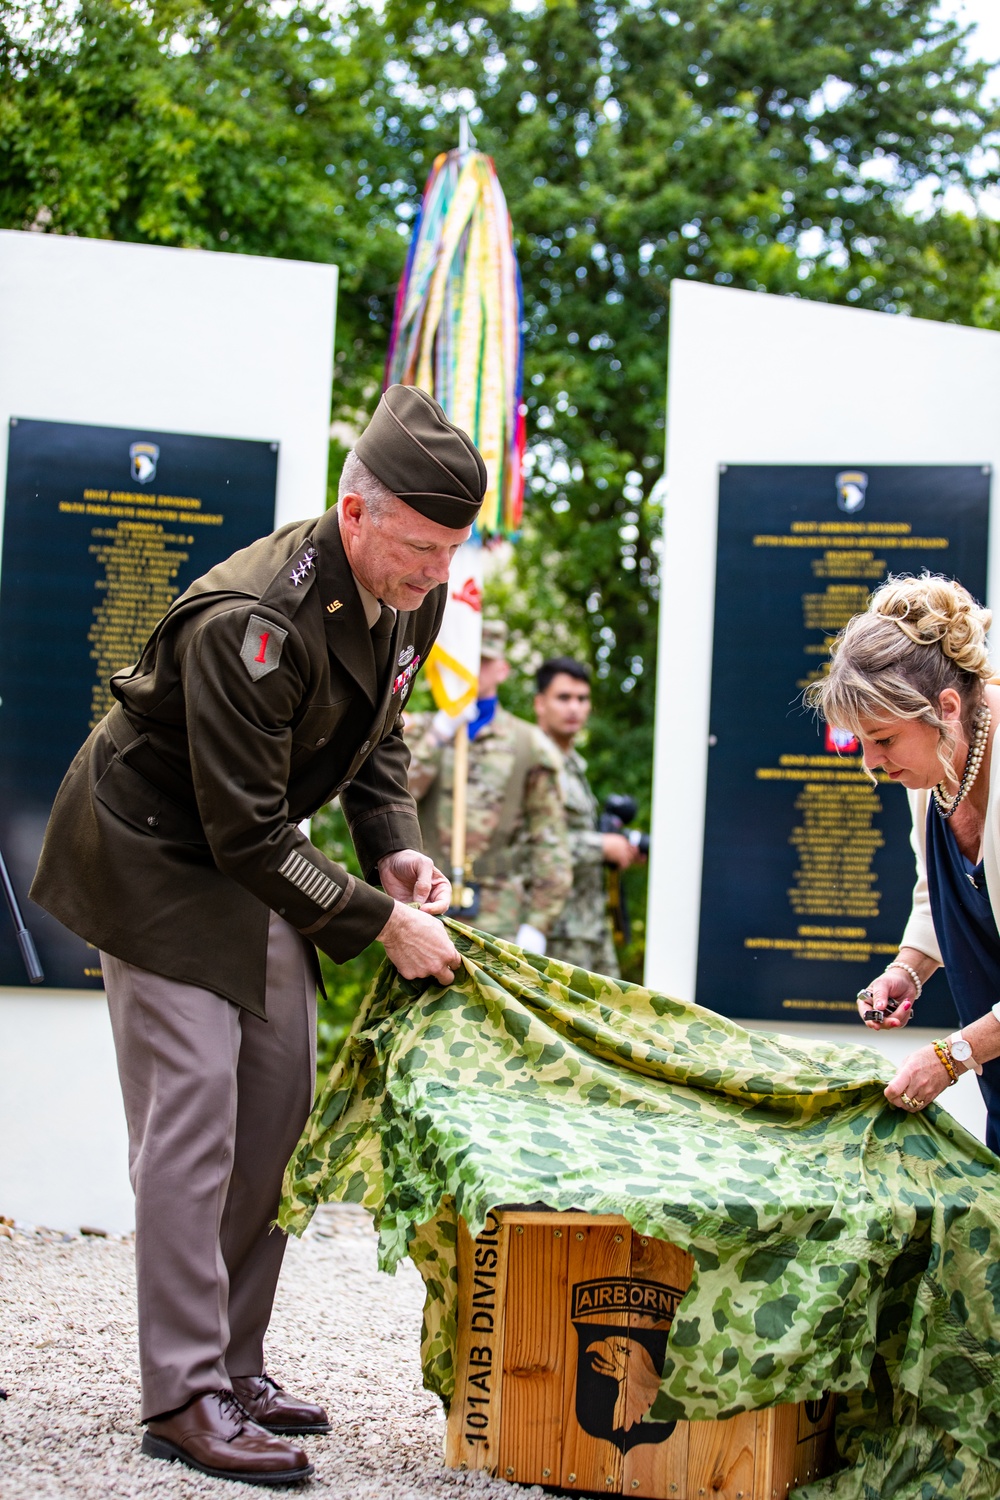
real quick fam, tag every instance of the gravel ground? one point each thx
(341, 1333)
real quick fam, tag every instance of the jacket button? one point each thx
(153, 822)
(365, 747)
(321, 740)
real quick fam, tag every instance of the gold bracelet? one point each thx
(944, 1054)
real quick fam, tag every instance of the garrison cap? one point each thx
(418, 454)
(494, 639)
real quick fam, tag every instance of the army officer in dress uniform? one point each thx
(275, 683)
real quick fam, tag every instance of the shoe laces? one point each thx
(231, 1406)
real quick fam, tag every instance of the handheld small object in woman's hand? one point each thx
(878, 1016)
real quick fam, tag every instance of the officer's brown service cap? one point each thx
(432, 465)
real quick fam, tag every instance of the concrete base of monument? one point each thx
(554, 1380)
(64, 1151)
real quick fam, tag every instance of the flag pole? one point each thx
(459, 813)
(457, 333)
(460, 771)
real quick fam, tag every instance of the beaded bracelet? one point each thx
(898, 963)
(941, 1048)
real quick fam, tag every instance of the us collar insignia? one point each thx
(405, 657)
(331, 609)
(304, 567)
(408, 672)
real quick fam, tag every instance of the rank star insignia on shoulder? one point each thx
(303, 567)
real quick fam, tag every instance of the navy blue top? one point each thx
(967, 935)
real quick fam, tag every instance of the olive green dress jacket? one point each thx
(254, 702)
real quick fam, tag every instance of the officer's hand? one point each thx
(419, 945)
(408, 875)
(618, 851)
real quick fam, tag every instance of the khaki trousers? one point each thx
(215, 1101)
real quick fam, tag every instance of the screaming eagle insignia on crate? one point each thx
(620, 1365)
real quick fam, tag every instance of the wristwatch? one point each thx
(961, 1051)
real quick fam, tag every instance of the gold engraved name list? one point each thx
(139, 557)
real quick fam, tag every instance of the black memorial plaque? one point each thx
(808, 871)
(103, 528)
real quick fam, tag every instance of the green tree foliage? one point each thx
(239, 127)
(743, 142)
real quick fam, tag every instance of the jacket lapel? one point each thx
(395, 645)
(348, 638)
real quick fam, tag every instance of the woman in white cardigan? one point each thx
(911, 679)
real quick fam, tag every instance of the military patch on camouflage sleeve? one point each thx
(260, 652)
(315, 884)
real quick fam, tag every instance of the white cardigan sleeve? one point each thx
(919, 930)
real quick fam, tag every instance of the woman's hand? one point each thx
(919, 1081)
(894, 984)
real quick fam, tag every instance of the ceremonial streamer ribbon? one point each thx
(457, 323)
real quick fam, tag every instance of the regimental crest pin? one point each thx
(851, 487)
(405, 657)
(143, 458)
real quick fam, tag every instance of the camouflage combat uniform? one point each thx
(582, 935)
(529, 879)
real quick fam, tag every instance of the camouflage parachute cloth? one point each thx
(528, 879)
(581, 934)
(840, 1244)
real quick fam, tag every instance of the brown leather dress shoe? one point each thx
(275, 1409)
(214, 1435)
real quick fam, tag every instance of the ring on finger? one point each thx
(911, 1103)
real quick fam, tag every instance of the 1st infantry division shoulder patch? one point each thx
(260, 652)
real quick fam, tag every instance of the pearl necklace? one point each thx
(946, 805)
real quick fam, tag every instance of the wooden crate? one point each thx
(563, 1321)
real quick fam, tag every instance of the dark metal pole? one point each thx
(24, 938)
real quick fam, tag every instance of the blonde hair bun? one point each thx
(932, 610)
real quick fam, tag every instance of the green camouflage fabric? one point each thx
(840, 1244)
(537, 872)
(581, 934)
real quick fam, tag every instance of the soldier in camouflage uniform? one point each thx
(516, 826)
(582, 935)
